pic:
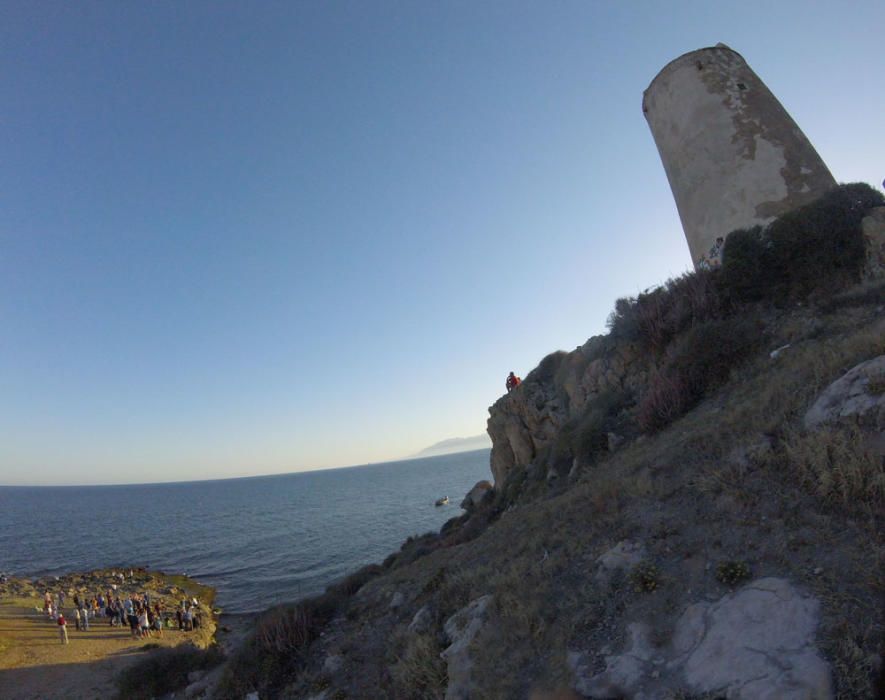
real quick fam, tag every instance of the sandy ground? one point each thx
(35, 664)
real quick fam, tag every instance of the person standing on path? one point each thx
(62, 628)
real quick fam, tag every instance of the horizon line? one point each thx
(236, 478)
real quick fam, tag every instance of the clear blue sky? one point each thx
(255, 237)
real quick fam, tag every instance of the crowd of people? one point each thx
(134, 611)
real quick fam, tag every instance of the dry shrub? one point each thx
(285, 630)
(699, 360)
(420, 673)
(834, 462)
(275, 652)
(665, 400)
(657, 316)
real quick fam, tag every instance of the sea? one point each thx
(259, 541)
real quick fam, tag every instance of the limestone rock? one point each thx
(475, 495)
(624, 555)
(396, 600)
(460, 629)
(852, 396)
(755, 643)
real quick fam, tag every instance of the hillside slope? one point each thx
(688, 507)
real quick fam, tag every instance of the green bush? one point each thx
(165, 670)
(749, 273)
(732, 572)
(817, 247)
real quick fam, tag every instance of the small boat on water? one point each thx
(444, 501)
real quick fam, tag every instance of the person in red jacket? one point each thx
(62, 628)
(512, 382)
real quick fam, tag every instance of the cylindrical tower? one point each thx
(733, 156)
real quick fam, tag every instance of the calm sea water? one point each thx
(259, 541)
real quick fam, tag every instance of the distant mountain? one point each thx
(452, 445)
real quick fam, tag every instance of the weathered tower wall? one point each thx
(733, 156)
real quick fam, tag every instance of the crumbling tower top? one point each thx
(732, 154)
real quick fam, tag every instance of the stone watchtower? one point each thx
(733, 156)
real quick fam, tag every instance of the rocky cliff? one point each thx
(524, 423)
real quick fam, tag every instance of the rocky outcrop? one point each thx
(755, 643)
(475, 495)
(522, 423)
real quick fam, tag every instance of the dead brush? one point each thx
(664, 401)
(835, 464)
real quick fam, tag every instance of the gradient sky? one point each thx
(255, 237)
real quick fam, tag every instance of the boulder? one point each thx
(757, 642)
(397, 600)
(460, 630)
(858, 394)
(475, 495)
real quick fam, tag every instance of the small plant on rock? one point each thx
(645, 578)
(732, 572)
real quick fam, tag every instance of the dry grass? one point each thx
(852, 663)
(834, 463)
(420, 673)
